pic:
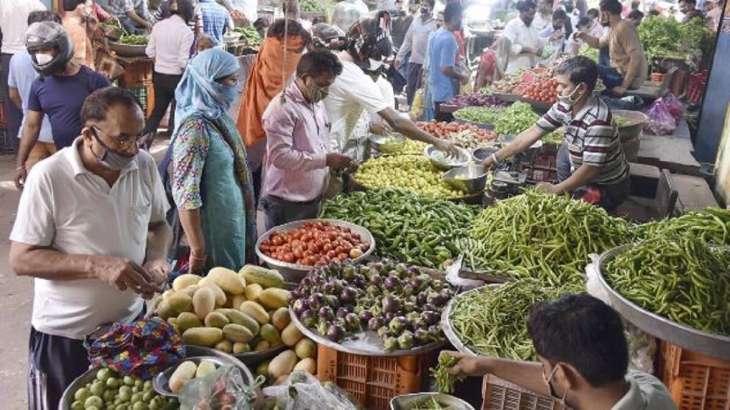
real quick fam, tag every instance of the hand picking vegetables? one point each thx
(444, 381)
(410, 172)
(681, 278)
(406, 226)
(399, 302)
(515, 119)
(492, 320)
(231, 312)
(315, 243)
(542, 236)
(109, 390)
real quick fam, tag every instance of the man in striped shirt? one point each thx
(599, 172)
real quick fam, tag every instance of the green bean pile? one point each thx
(543, 236)
(712, 225)
(515, 119)
(492, 321)
(444, 381)
(429, 404)
(407, 227)
(683, 279)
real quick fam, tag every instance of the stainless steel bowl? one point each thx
(482, 153)
(634, 122)
(439, 159)
(293, 272)
(470, 178)
(408, 401)
(387, 144)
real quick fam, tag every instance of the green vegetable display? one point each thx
(445, 381)
(250, 34)
(430, 403)
(515, 119)
(407, 227)
(711, 225)
(543, 236)
(411, 172)
(312, 6)
(492, 321)
(133, 39)
(683, 279)
(666, 37)
(110, 391)
(479, 115)
(590, 52)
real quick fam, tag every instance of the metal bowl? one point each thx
(634, 123)
(470, 178)
(408, 401)
(659, 326)
(387, 144)
(293, 272)
(482, 153)
(449, 328)
(440, 161)
(128, 50)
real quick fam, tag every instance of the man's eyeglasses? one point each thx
(123, 140)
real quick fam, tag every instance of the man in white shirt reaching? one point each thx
(91, 230)
(527, 45)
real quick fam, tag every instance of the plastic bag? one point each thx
(664, 115)
(642, 346)
(302, 391)
(222, 389)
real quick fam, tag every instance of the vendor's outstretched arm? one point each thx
(520, 144)
(408, 128)
(526, 374)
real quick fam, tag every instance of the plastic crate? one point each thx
(500, 394)
(371, 380)
(696, 381)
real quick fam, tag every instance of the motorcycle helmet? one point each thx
(47, 35)
(369, 41)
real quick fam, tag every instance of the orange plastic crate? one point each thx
(696, 381)
(373, 381)
(499, 394)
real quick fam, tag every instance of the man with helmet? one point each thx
(59, 92)
(353, 91)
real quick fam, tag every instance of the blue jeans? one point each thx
(610, 77)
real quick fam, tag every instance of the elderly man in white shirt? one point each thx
(527, 45)
(91, 230)
(13, 23)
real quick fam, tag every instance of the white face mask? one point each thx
(375, 64)
(43, 58)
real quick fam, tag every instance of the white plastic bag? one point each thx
(302, 391)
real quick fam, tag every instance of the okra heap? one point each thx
(401, 303)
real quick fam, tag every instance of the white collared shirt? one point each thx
(521, 36)
(169, 44)
(646, 392)
(68, 208)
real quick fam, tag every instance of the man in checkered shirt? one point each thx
(591, 161)
(213, 20)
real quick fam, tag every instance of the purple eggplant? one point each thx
(365, 316)
(421, 298)
(430, 317)
(326, 313)
(316, 300)
(342, 312)
(352, 322)
(421, 335)
(375, 323)
(348, 295)
(390, 304)
(376, 280)
(300, 305)
(335, 332)
(392, 283)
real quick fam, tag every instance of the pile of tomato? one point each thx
(542, 90)
(314, 244)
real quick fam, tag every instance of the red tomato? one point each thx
(331, 254)
(288, 257)
(326, 247)
(277, 240)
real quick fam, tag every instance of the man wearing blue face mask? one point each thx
(583, 356)
(91, 231)
(591, 161)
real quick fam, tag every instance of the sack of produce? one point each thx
(222, 389)
(302, 391)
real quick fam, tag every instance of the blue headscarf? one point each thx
(198, 92)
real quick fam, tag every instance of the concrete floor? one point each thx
(16, 296)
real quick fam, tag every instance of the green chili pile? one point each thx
(542, 236)
(683, 279)
(429, 404)
(712, 225)
(407, 227)
(444, 381)
(492, 321)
